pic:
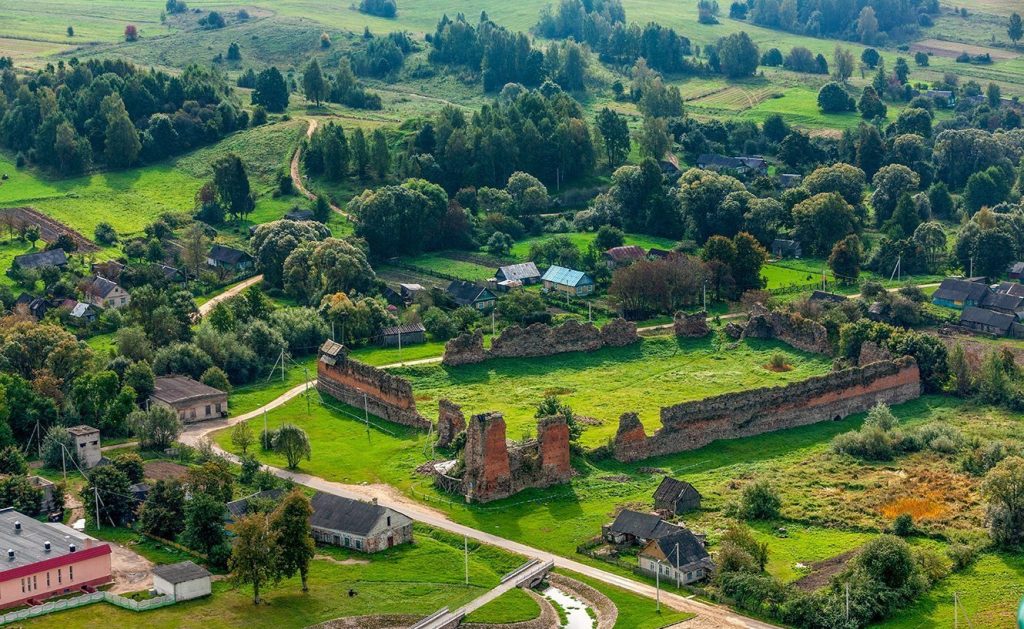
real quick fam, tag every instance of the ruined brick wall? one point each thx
(691, 325)
(388, 397)
(539, 340)
(450, 422)
(792, 329)
(493, 470)
(836, 395)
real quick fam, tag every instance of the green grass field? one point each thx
(660, 371)
(521, 250)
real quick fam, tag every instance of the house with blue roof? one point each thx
(563, 280)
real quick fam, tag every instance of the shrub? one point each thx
(903, 525)
(962, 555)
(778, 361)
(759, 502)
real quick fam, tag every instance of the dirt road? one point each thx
(297, 174)
(228, 294)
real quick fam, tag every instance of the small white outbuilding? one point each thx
(185, 580)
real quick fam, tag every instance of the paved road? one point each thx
(228, 294)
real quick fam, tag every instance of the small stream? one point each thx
(574, 608)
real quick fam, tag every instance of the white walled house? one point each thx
(363, 526)
(184, 581)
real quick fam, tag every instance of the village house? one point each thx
(960, 293)
(47, 559)
(238, 508)
(228, 258)
(782, 248)
(364, 526)
(80, 311)
(403, 335)
(679, 557)
(676, 497)
(110, 269)
(53, 257)
(410, 291)
(744, 165)
(465, 293)
(1015, 271)
(1005, 303)
(30, 304)
(103, 293)
(184, 581)
(563, 280)
(789, 180)
(1009, 288)
(298, 214)
(824, 297)
(623, 256)
(633, 527)
(87, 445)
(990, 322)
(192, 400)
(525, 274)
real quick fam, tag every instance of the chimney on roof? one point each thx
(17, 525)
(10, 554)
(71, 548)
(373, 500)
(46, 546)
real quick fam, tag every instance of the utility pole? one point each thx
(63, 465)
(366, 412)
(678, 582)
(705, 292)
(657, 587)
(266, 435)
(590, 312)
(96, 492)
(465, 551)
(492, 321)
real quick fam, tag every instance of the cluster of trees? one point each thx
(602, 26)
(335, 156)
(380, 56)
(798, 59)
(380, 8)
(503, 57)
(70, 116)
(874, 22)
(541, 132)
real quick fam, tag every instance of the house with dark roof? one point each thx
(184, 581)
(752, 165)
(238, 508)
(53, 257)
(104, 293)
(79, 310)
(192, 400)
(469, 294)
(525, 273)
(571, 281)
(364, 526)
(782, 248)
(990, 322)
(633, 527)
(1015, 271)
(655, 253)
(824, 297)
(403, 335)
(624, 255)
(680, 558)
(960, 293)
(223, 257)
(1009, 288)
(790, 180)
(676, 497)
(110, 269)
(298, 214)
(1004, 303)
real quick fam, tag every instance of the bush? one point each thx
(962, 555)
(105, 234)
(759, 502)
(903, 525)
(870, 443)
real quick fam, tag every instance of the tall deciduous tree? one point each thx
(195, 244)
(231, 183)
(842, 64)
(271, 91)
(204, 524)
(313, 82)
(122, 145)
(615, 132)
(1004, 488)
(380, 154)
(253, 554)
(290, 524)
(1015, 28)
(292, 442)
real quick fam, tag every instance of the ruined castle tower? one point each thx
(488, 475)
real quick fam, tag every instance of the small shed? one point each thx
(410, 291)
(184, 581)
(298, 214)
(987, 321)
(526, 272)
(53, 257)
(402, 335)
(223, 257)
(676, 496)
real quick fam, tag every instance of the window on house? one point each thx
(207, 410)
(389, 520)
(348, 542)
(359, 544)
(218, 407)
(60, 576)
(71, 573)
(47, 579)
(35, 583)
(192, 414)
(23, 586)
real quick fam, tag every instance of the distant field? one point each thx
(953, 49)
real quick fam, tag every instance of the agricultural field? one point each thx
(661, 371)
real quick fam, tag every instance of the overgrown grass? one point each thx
(521, 250)
(512, 606)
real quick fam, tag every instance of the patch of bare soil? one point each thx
(131, 571)
(49, 228)
(164, 470)
(341, 562)
(823, 571)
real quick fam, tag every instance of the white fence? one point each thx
(86, 599)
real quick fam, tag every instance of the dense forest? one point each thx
(69, 116)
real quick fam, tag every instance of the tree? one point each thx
(122, 145)
(380, 154)
(131, 32)
(234, 52)
(654, 139)
(994, 95)
(842, 64)
(12, 461)
(231, 183)
(242, 436)
(1004, 489)
(870, 57)
(292, 442)
(867, 25)
(113, 488)
(130, 464)
(295, 545)
(832, 98)
(360, 152)
(823, 220)
(960, 371)
(195, 245)
(888, 560)
(1015, 28)
(846, 258)
(105, 233)
(271, 91)
(759, 502)
(870, 105)
(737, 55)
(213, 478)
(163, 512)
(313, 83)
(615, 131)
(156, 428)
(750, 257)
(32, 235)
(71, 31)
(204, 527)
(940, 200)
(253, 553)
(59, 448)
(609, 237)
(891, 182)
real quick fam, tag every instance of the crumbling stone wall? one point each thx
(691, 325)
(692, 425)
(792, 329)
(386, 396)
(539, 340)
(870, 352)
(450, 422)
(494, 471)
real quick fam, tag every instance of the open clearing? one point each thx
(952, 49)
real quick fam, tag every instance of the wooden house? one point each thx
(676, 497)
